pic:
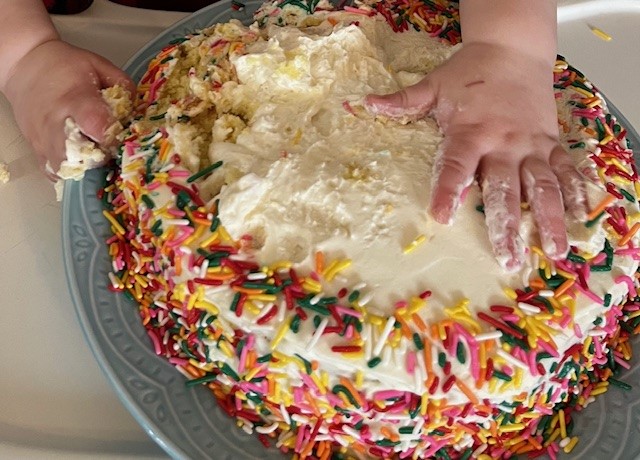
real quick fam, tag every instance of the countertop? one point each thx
(55, 401)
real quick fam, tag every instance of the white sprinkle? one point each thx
(562, 444)
(316, 298)
(365, 299)
(385, 334)
(301, 419)
(516, 362)
(256, 276)
(527, 308)
(488, 336)
(418, 428)
(351, 432)
(597, 333)
(368, 343)
(177, 222)
(203, 268)
(360, 286)
(285, 414)
(546, 293)
(267, 429)
(167, 167)
(316, 335)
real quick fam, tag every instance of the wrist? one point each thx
(24, 26)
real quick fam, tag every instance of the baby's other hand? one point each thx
(497, 110)
(55, 81)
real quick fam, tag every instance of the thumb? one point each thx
(414, 101)
(93, 114)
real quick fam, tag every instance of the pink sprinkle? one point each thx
(176, 212)
(243, 359)
(348, 311)
(589, 294)
(351, 9)
(179, 173)
(597, 260)
(551, 452)
(387, 394)
(411, 362)
(629, 282)
(548, 348)
(178, 361)
(156, 342)
(512, 318)
(577, 330)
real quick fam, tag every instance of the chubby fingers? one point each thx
(453, 170)
(572, 184)
(542, 190)
(500, 186)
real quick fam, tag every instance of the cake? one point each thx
(275, 236)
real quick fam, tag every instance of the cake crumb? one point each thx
(5, 176)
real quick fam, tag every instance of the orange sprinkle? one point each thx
(537, 284)
(404, 327)
(178, 264)
(121, 209)
(247, 291)
(389, 434)
(421, 325)
(356, 395)
(595, 212)
(319, 261)
(564, 287)
(481, 378)
(467, 391)
(630, 234)
(534, 442)
(428, 358)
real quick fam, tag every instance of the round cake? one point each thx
(276, 237)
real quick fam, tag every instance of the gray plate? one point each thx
(186, 422)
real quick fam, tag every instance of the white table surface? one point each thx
(54, 401)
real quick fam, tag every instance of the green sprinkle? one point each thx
(215, 222)
(155, 228)
(467, 453)
(182, 199)
(205, 171)
(353, 296)
(167, 59)
(128, 295)
(584, 121)
(480, 208)
(295, 324)
(607, 299)
(597, 321)
(307, 365)
(148, 201)
(461, 354)
(575, 258)
(345, 391)
(226, 369)
(373, 362)
(501, 375)
(264, 358)
(405, 430)
(593, 221)
(387, 443)
(316, 321)
(442, 359)
(418, 341)
(204, 379)
(160, 116)
(177, 41)
(619, 383)
(627, 195)
(234, 302)
(577, 145)
(543, 355)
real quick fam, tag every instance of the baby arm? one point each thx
(47, 81)
(494, 102)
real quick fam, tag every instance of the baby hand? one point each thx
(56, 81)
(497, 110)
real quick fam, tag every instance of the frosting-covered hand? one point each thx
(55, 81)
(497, 111)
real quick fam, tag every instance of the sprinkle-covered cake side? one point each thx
(313, 343)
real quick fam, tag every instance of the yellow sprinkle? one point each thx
(191, 302)
(584, 92)
(114, 222)
(252, 373)
(510, 293)
(284, 327)
(321, 387)
(226, 348)
(312, 285)
(209, 241)
(414, 244)
(424, 403)
(600, 33)
(563, 426)
(263, 297)
(552, 438)
(569, 447)
(359, 379)
(599, 391)
(512, 428)
(334, 268)
(144, 283)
